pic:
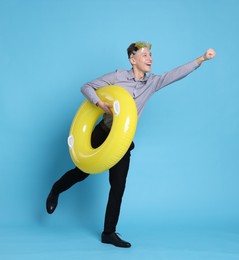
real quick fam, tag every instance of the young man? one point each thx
(141, 86)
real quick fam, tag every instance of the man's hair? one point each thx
(131, 49)
(134, 47)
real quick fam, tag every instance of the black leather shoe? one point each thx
(51, 202)
(114, 239)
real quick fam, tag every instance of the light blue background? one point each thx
(184, 170)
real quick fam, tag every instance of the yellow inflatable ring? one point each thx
(95, 160)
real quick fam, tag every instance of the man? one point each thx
(141, 86)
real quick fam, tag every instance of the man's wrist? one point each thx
(201, 59)
(98, 103)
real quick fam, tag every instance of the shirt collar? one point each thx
(131, 75)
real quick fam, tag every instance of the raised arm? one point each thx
(183, 70)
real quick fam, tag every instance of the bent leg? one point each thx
(69, 179)
(73, 176)
(65, 182)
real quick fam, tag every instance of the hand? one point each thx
(105, 106)
(209, 54)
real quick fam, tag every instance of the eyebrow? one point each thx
(146, 52)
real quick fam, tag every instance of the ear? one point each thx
(132, 60)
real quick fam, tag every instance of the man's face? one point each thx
(142, 60)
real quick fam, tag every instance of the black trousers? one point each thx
(117, 179)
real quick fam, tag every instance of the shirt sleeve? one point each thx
(176, 74)
(88, 89)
